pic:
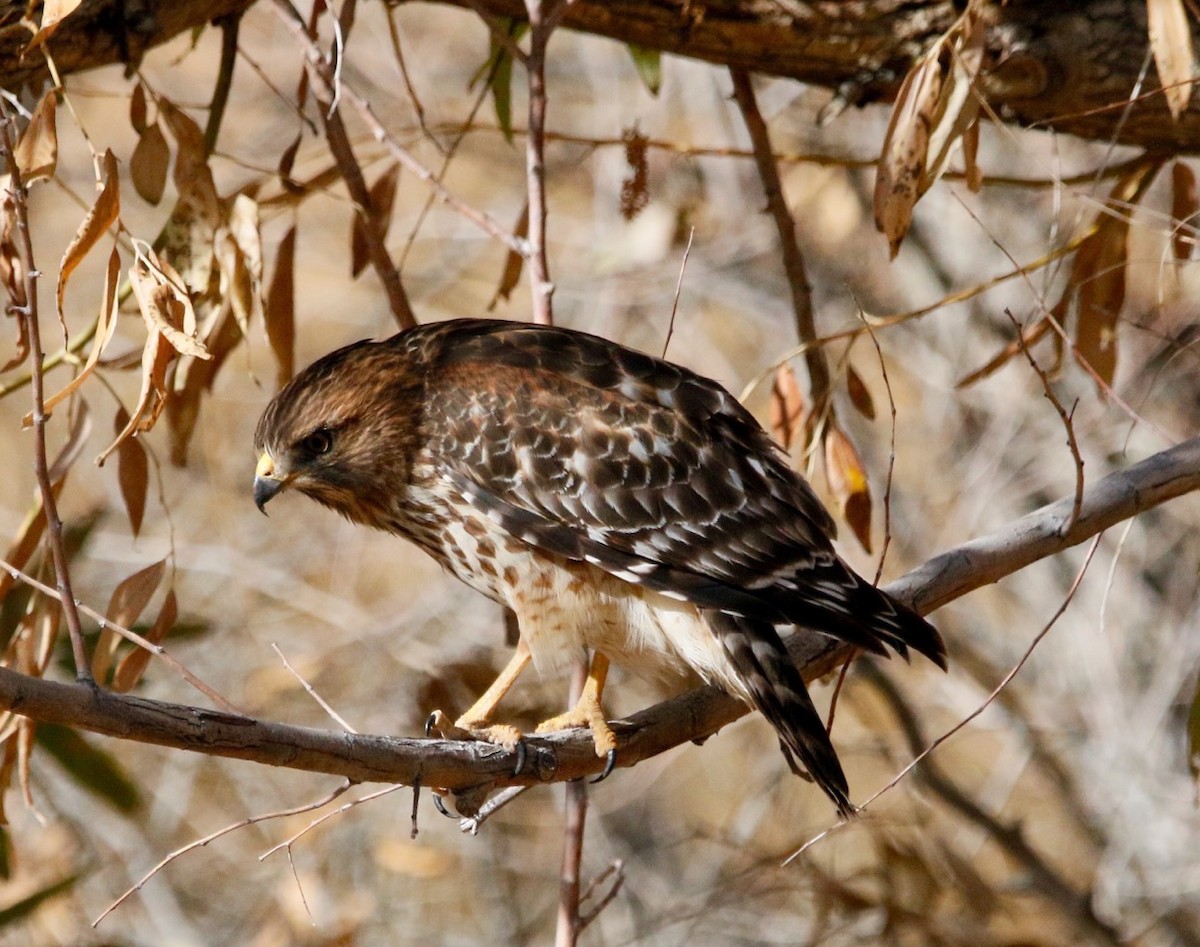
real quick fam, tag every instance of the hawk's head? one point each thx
(341, 432)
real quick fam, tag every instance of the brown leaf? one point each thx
(190, 232)
(905, 150)
(288, 160)
(165, 307)
(137, 108)
(148, 164)
(974, 175)
(513, 262)
(53, 13)
(1174, 58)
(106, 325)
(1098, 273)
(848, 483)
(280, 312)
(37, 150)
(131, 668)
(787, 406)
(383, 197)
(129, 599)
(184, 405)
(29, 534)
(102, 216)
(860, 395)
(957, 108)
(133, 473)
(1184, 207)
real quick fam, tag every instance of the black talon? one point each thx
(441, 806)
(429, 724)
(610, 762)
(522, 753)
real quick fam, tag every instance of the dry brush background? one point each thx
(1066, 813)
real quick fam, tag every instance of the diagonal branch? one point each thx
(471, 770)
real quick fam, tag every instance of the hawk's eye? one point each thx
(317, 443)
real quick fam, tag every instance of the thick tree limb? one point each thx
(472, 770)
(1069, 66)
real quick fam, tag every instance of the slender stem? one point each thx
(28, 312)
(535, 164)
(567, 931)
(216, 110)
(793, 258)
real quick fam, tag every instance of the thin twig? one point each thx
(27, 311)
(202, 842)
(295, 25)
(216, 110)
(789, 248)
(568, 925)
(617, 872)
(287, 843)
(327, 89)
(1066, 416)
(678, 289)
(156, 649)
(312, 692)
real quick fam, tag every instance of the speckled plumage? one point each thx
(613, 500)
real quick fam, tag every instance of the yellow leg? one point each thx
(476, 724)
(588, 712)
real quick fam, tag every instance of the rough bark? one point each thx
(1068, 66)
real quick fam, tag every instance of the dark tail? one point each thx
(762, 663)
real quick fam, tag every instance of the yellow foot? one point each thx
(586, 713)
(500, 734)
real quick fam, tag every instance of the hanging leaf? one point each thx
(378, 215)
(131, 668)
(1184, 207)
(133, 473)
(36, 153)
(514, 262)
(1174, 58)
(137, 108)
(148, 164)
(103, 215)
(848, 483)
(53, 13)
(106, 326)
(787, 406)
(1099, 273)
(860, 396)
(648, 63)
(129, 599)
(280, 311)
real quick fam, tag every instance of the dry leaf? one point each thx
(133, 473)
(106, 326)
(860, 396)
(514, 262)
(383, 196)
(129, 599)
(848, 483)
(148, 164)
(53, 13)
(1028, 337)
(36, 153)
(190, 233)
(29, 534)
(131, 668)
(935, 107)
(280, 312)
(137, 109)
(787, 406)
(974, 175)
(905, 149)
(184, 405)
(102, 216)
(1099, 275)
(1171, 41)
(1184, 207)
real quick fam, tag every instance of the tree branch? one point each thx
(1068, 66)
(472, 770)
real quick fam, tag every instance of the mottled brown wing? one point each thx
(649, 471)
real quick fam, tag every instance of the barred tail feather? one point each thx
(777, 690)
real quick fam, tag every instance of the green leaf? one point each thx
(496, 72)
(648, 63)
(95, 770)
(26, 906)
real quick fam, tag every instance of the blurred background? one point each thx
(1065, 813)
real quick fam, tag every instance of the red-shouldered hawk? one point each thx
(614, 501)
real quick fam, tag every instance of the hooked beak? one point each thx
(267, 482)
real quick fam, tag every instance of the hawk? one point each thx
(617, 503)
